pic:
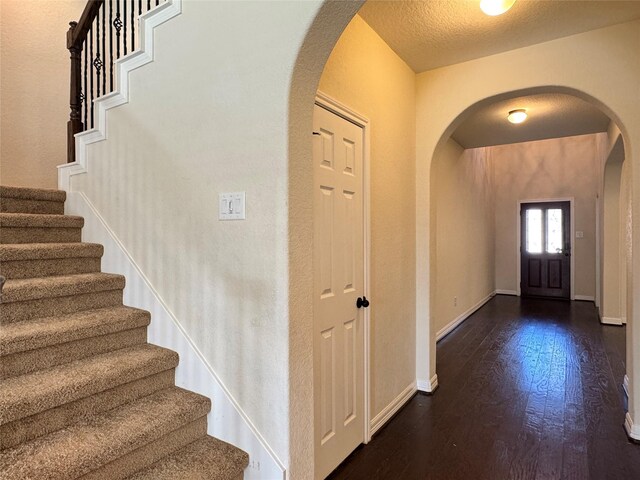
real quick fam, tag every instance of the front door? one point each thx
(545, 250)
(338, 266)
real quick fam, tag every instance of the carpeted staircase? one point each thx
(82, 395)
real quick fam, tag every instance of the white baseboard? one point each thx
(390, 410)
(625, 385)
(428, 386)
(611, 321)
(584, 298)
(227, 420)
(633, 430)
(462, 317)
(506, 292)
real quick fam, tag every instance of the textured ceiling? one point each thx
(428, 34)
(550, 116)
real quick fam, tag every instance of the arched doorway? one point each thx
(508, 74)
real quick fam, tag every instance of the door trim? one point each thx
(572, 236)
(598, 253)
(331, 104)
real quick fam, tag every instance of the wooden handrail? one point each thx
(79, 34)
(101, 41)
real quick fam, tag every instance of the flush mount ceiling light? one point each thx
(517, 116)
(496, 7)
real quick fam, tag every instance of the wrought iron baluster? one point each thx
(133, 30)
(157, 2)
(117, 24)
(111, 45)
(139, 8)
(97, 62)
(124, 24)
(104, 49)
(91, 72)
(84, 87)
(148, 5)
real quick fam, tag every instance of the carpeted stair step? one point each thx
(31, 200)
(24, 299)
(114, 444)
(34, 228)
(204, 459)
(31, 260)
(40, 391)
(46, 342)
(82, 395)
(54, 419)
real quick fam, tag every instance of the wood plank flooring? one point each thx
(530, 389)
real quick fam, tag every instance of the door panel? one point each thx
(535, 273)
(545, 249)
(327, 386)
(338, 282)
(555, 273)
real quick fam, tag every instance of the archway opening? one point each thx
(443, 116)
(477, 195)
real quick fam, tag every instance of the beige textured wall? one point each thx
(615, 215)
(461, 189)
(365, 74)
(208, 116)
(565, 167)
(613, 257)
(34, 89)
(626, 229)
(611, 241)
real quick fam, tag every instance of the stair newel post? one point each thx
(74, 125)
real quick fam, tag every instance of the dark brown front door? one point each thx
(545, 250)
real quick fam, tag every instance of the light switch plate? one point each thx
(579, 234)
(232, 206)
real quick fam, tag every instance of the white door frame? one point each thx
(572, 236)
(599, 234)
(331, 104)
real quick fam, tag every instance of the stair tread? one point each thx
(40, 220)
(22, 289)
(46, 251)
(92, 443)
(35, 392)
(26, 193)
(42, 332)
(206, 459)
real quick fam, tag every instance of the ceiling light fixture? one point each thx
(496, 7)
(517, 116)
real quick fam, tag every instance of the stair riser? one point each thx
(20, 205)
(33, 360)
(111, 320)
(48, 268)
(147, 455)
(28, 428)
(128, 429)
(40, 235)
(48, 307)
(71, 389)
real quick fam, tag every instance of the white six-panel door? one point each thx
(338, 282)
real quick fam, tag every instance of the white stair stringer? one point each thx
(120, 95)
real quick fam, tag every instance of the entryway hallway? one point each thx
(529, 389)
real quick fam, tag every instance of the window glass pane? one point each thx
(554, 230)
(534, 231)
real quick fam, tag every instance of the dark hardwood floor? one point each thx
(529, 389)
